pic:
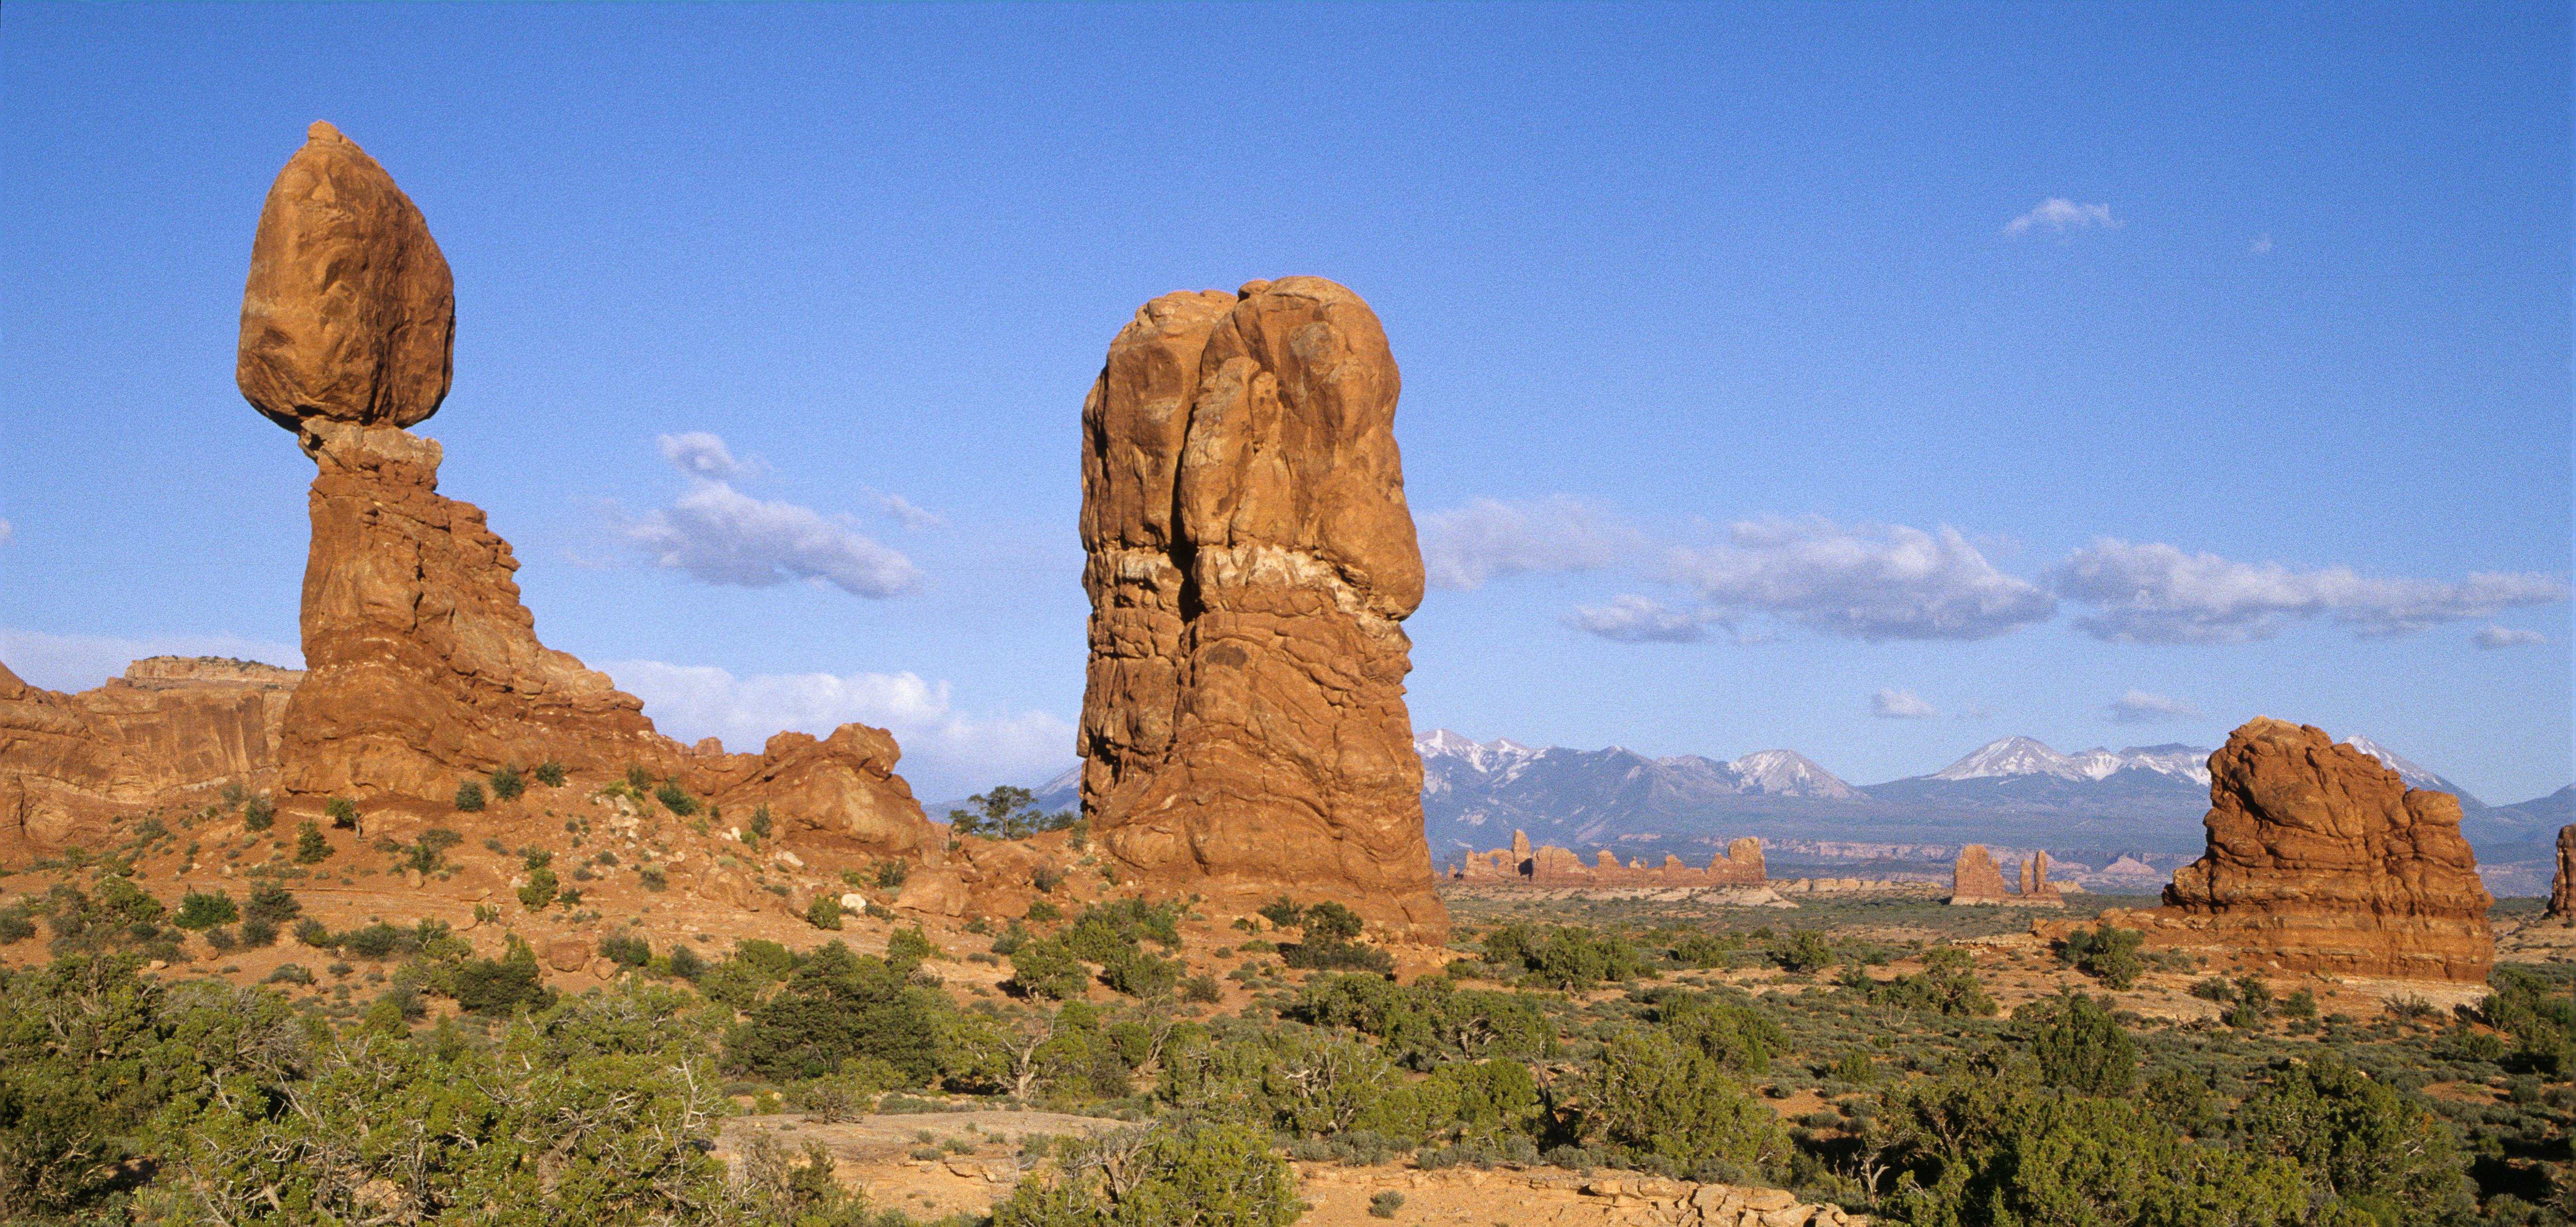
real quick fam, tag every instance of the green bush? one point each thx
(507, 784)
(891, 874)
(1207, 1175)
(824, 912)
(675, 798)
(258, 934)
(2106, 953)
(342, 812)
(469, 796)
(837, 1006)
(2359, 1141)
(1385, 1203)
(499, 986)
(539, 891)
(1047, 968)
(2079, 1045)
(311, 848)
(626, 949)
(550, 773)
(1653, 1097)
(427, 855)
(258, 814)
(1804, 950)
(204, 911)
(272, 903)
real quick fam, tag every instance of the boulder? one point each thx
(568, 953)
(349, 314)
(1250, 562)
(2321, 859)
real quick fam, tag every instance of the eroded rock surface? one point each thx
(1974, 877)
(2321, 859)
(172, 726)
(1740, 865)
(2562, 884)
(1250, 563)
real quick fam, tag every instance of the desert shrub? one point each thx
(2358, 1141)
(1706, 950)
(258, 814)
(427, 855)
(638, 780)
(313, 933)
(342, 812)
(1141, 975)
(1283, 913)
(1803, 950)
(550, 773)
(1202, 989)
(469, 795)
(675, 798)
(289, 973)
(1040, 912)
(824, 912)
(498, 986)
(1336, 956)
(16, 925)
(1214, 1175)
(1653, 1097)
(834, 1007)
(2105, 953)
(890, 873)
(203, 911)
(221, 938)
(507, 783)
(2079, 1045)
(1739, 1037)
(311, 848)
(257, 933)
(626, 949)
(685, 963)
(1385, 1203)
(271, 902)
(540, 889)
(1046, 967)
(375, 941)
(1945, 988)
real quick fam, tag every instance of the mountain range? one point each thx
(2097, 805)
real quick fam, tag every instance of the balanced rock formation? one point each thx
(2562, 885)
(1250, 562)
(172, 726)
(2035, 886)
(423, 665)
(1740, 865)
(2321, 859)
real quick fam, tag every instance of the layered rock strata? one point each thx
(424, 667)
(169, 728)
(2321, 859)
(1740, 865)
(1250, 562)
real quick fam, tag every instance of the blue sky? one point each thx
(1873, 381)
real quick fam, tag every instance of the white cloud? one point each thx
(2508, 637)
(1866, 581)
(2155, 593)
(1637, 619)
(2140, 707)
(905, 512)
(1900, 705)
(2061, 215)
(6, 531)
(946, 752)
(1466, 546)
(700, 454)
(2261, 246)
(722, 536)
(78, 662)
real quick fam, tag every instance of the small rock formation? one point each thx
(1975, 879)
(170, 727)
(1740, 865)
(1250, 564)
(2035, 885)
(2562, 885)
(424, 667)
(2321, 859)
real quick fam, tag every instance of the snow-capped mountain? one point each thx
(2413, 773)
(2019, 756)
(1475, 793)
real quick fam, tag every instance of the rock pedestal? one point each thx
(2321, 859)
(1250, 563)
(2562, 884)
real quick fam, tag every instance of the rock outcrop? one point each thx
(424, 667)
(1974, 877)
(1250, 562)
(1740, 865)
(2321, 859)
(172, 726)
(2035, 886)
(2562, 885)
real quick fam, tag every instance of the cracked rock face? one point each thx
(2321, 859)
(349, 314)
(1250, 563)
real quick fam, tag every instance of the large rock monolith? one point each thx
(2562, 884)
(423, 667)
(1250, 564)
(2321, 859)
